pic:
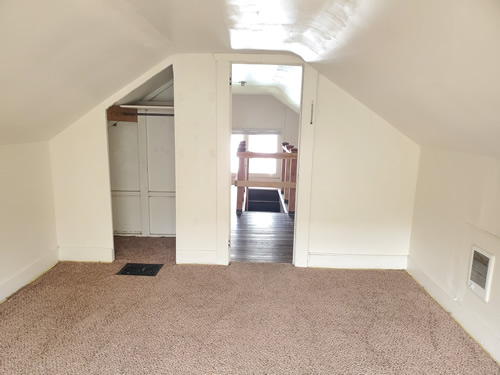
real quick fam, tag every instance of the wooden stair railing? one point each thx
(288, 169)
(283, 165)
(241, 177)
(288, 177)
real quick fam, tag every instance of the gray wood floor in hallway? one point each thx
(262, 237)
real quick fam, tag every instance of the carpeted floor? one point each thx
(82, 318)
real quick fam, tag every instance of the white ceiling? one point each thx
(284, 82)
(158, 89)
(430, 67)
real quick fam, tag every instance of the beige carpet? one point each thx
(81, 318)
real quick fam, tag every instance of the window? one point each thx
(256, 143)
(263, 143)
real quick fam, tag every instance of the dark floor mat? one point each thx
(140, 269)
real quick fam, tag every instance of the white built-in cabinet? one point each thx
(142, 166)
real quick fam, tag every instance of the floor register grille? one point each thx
(140, 269)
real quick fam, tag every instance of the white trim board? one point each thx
(138, 234)
(481, 332)
(223, 187)
(28, 274)
(142, 139)
(196, 257)
(86, 254)
(305, 164)
(359, 261)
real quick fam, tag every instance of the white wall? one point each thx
(224, 105)
(291, 128)
(363, 175)
(363, 184)
(265, 112)
(362, 179)
(27, 224)
(304, 168)
(81, 181)
(457, 205)
(195, 94)
(82, 190)
(81, 171)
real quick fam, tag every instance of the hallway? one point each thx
(262, 237)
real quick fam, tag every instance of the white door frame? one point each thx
(305, 161)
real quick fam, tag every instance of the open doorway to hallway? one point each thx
(265, 115)
(142, 172)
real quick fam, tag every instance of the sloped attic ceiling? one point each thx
(158, 88)
(283, 82)
(60, 59)
(429, 67)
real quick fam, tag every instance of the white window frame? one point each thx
(246, 133)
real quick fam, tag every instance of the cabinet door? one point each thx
(125, 178)
(124, 156)
(161, 174)
(161, 153)
(142, 164)
(162, 214)
(127, 213)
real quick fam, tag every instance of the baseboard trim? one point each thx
(28, 274)
(86, 254)
(393, 262)
(118, 234)
(196, 257)
(480, 331)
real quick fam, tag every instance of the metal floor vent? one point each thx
(140, 269)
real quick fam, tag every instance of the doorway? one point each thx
(141, 139)
(265, 113)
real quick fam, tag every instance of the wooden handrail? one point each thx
(289, 156)
(268, 184)
(283, 165)
(287, 147)
(241, 177)
(263, 155)
(293, 179)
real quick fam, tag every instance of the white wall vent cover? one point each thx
(481, 270)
